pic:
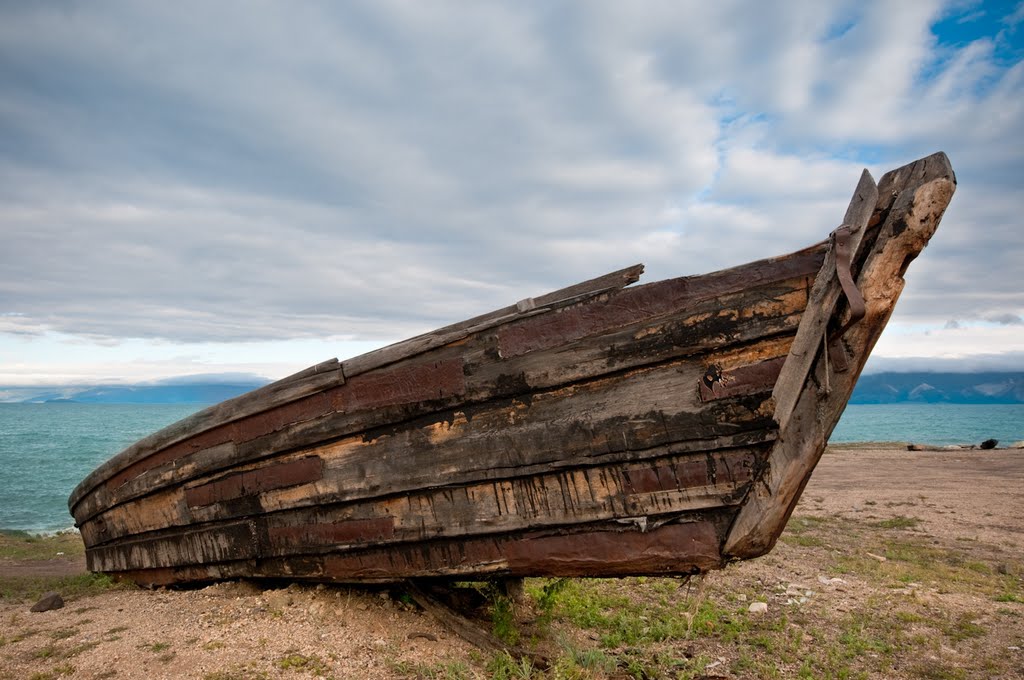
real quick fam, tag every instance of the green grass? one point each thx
(447, 670)
(238, 672)
(21, 545)
(156, 647)
(23, 588)
(898, 522)
(300, 662)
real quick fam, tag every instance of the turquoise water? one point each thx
(931, 423)
(46, 449)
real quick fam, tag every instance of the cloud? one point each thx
(1008, 319)
(373, 170)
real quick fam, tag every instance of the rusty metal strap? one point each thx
(843, 235)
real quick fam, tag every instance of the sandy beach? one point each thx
(896, 564)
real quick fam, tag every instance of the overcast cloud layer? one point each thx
(208, 173)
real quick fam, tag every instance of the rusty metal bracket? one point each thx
(844, 256)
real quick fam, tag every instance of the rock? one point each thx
(989, 443)
(742, 597)
(876, 557)
(420, 634)
(47, 602)
(758, 608)
(916, 447)
(831, 581)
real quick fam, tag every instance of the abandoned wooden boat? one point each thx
(604, 429)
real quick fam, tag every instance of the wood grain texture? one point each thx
(914, 201)
(824, 296)
(672, 549)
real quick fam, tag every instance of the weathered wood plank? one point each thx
(421, 383)
(824, 295)
(622, 550)
(645, 302)
(720, 383)
(922, 192)
(254, 482)
(454, 332)
(669, 484)
(168, 507)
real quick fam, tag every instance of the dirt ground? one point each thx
(896, 564)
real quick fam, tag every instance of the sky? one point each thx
(255, 187)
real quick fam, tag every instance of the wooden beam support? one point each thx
(918, 194)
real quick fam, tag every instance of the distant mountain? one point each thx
(192, 393)
(933, 388)
(874, 388)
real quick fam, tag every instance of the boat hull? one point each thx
(602, 430)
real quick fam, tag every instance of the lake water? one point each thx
(46, 449)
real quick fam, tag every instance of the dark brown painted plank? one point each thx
(255, 482)
(443, 336)
(717, 383)
(644, 302)
(673, 549)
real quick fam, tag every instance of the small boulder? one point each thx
(758, 608)
(47, 602)
(989, 444)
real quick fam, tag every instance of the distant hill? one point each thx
(198, 393)
(933, 388)
(874, 388)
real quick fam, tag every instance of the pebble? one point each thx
(758, 607)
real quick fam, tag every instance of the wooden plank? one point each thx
(620, 550)
(254, 482)
(457, 331)
(719, 383)
(922, 192)
(640, 303)
(169, 509)
(824, 295)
